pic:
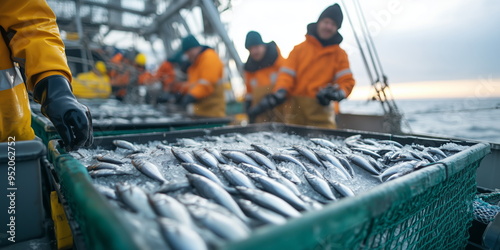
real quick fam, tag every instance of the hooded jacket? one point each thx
(264, 72)
(313, 64)
(31, 40)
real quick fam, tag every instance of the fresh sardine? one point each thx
(309, 154)
(206, 158)
(107, 172)
(239, 157)
(103, 165)
(167, 206)
(324, 143)
(211, 190)
(279, 178)
(149, 169)
(223, 225)
(180, 236)
(362, 163)
(263, 149)
(320, 186)
(136, 199)
(235, 177)
(289, 174)
(335, 163)
(216, 153)
(195, 168)
(313, 205)
(269, 201)
(126, 145)
(183, 155)
(252, 169)
(104, 158)
(342, 189)
(106, 191)
(280, 190)
(259, 213)
(262, 159)
(288, 158)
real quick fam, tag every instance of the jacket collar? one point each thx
(312, 31)
(268, 60)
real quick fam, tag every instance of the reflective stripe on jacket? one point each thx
(31, 39)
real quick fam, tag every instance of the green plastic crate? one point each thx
(428, 209)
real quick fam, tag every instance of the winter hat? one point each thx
(335, 13)
(189, 42)
(253, 38)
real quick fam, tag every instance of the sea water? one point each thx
(466, 118)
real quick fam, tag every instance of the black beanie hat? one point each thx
(253, 38)
(333, 12)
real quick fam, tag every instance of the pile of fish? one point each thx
(112, 112)
(200, 193)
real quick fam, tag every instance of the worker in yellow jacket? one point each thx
(93, 84)
(261, 72)
(315, 73)
(30, 39)
(204, 87)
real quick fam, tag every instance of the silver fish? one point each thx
(226, 226)
(107, 172)
(195, 168)
(400, 167)
(269, 201)
(239, 157)
(163, 147)
(136, 199)
(376, 164)
(179, 236)
(103, 165)
(339, 171)
(436, 151)
(104, 158)
(279, 178)
(309, 154)
(342, 189)
(206, 158)
(262, 214)
(263, 149)
(280, 190)
(320, 186)
(289, 158)
(313, 205)
(216, 153)
(188, 142)
(240, 138)
(335, 162)
(149, 169)
(173, 186)
(390, 142)
(167, 206)
(367, 152)
(362, 163)
(262, 159)
(126, 145)
(183, 155)
(211, 190)
(106, 191)
(235, 177)
(252, 169)
(289, 174)
(324, 143)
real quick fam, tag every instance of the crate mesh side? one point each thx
(438, 218)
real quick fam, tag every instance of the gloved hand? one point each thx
(71, 119)
(330, 93)
(268, 102)
(187, 99)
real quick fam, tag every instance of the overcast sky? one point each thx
(417, 40)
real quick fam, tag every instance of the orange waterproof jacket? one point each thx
(205, 73)
(310, 67)
(265, 75)
(166, 74)
(31, 39)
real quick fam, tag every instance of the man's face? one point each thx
(327, 28)
(192, 53)
(257, 52)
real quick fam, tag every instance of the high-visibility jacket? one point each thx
(166, 74)
(31, 39)
(260, 78)
(146, 78)
(310, 67)
(205, 84)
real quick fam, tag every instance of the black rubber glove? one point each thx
(187, 99)
(267, 103)
(71, 119)
(330, 93)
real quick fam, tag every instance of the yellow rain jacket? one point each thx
(310, 67)
(30, 38)
(205, 84)
(91, 85)
(260, 78)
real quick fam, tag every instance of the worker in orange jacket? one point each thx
(166, 75)
(261, 72)
(316, 72)
(204, 87)
(144, 76)
(31, 40)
